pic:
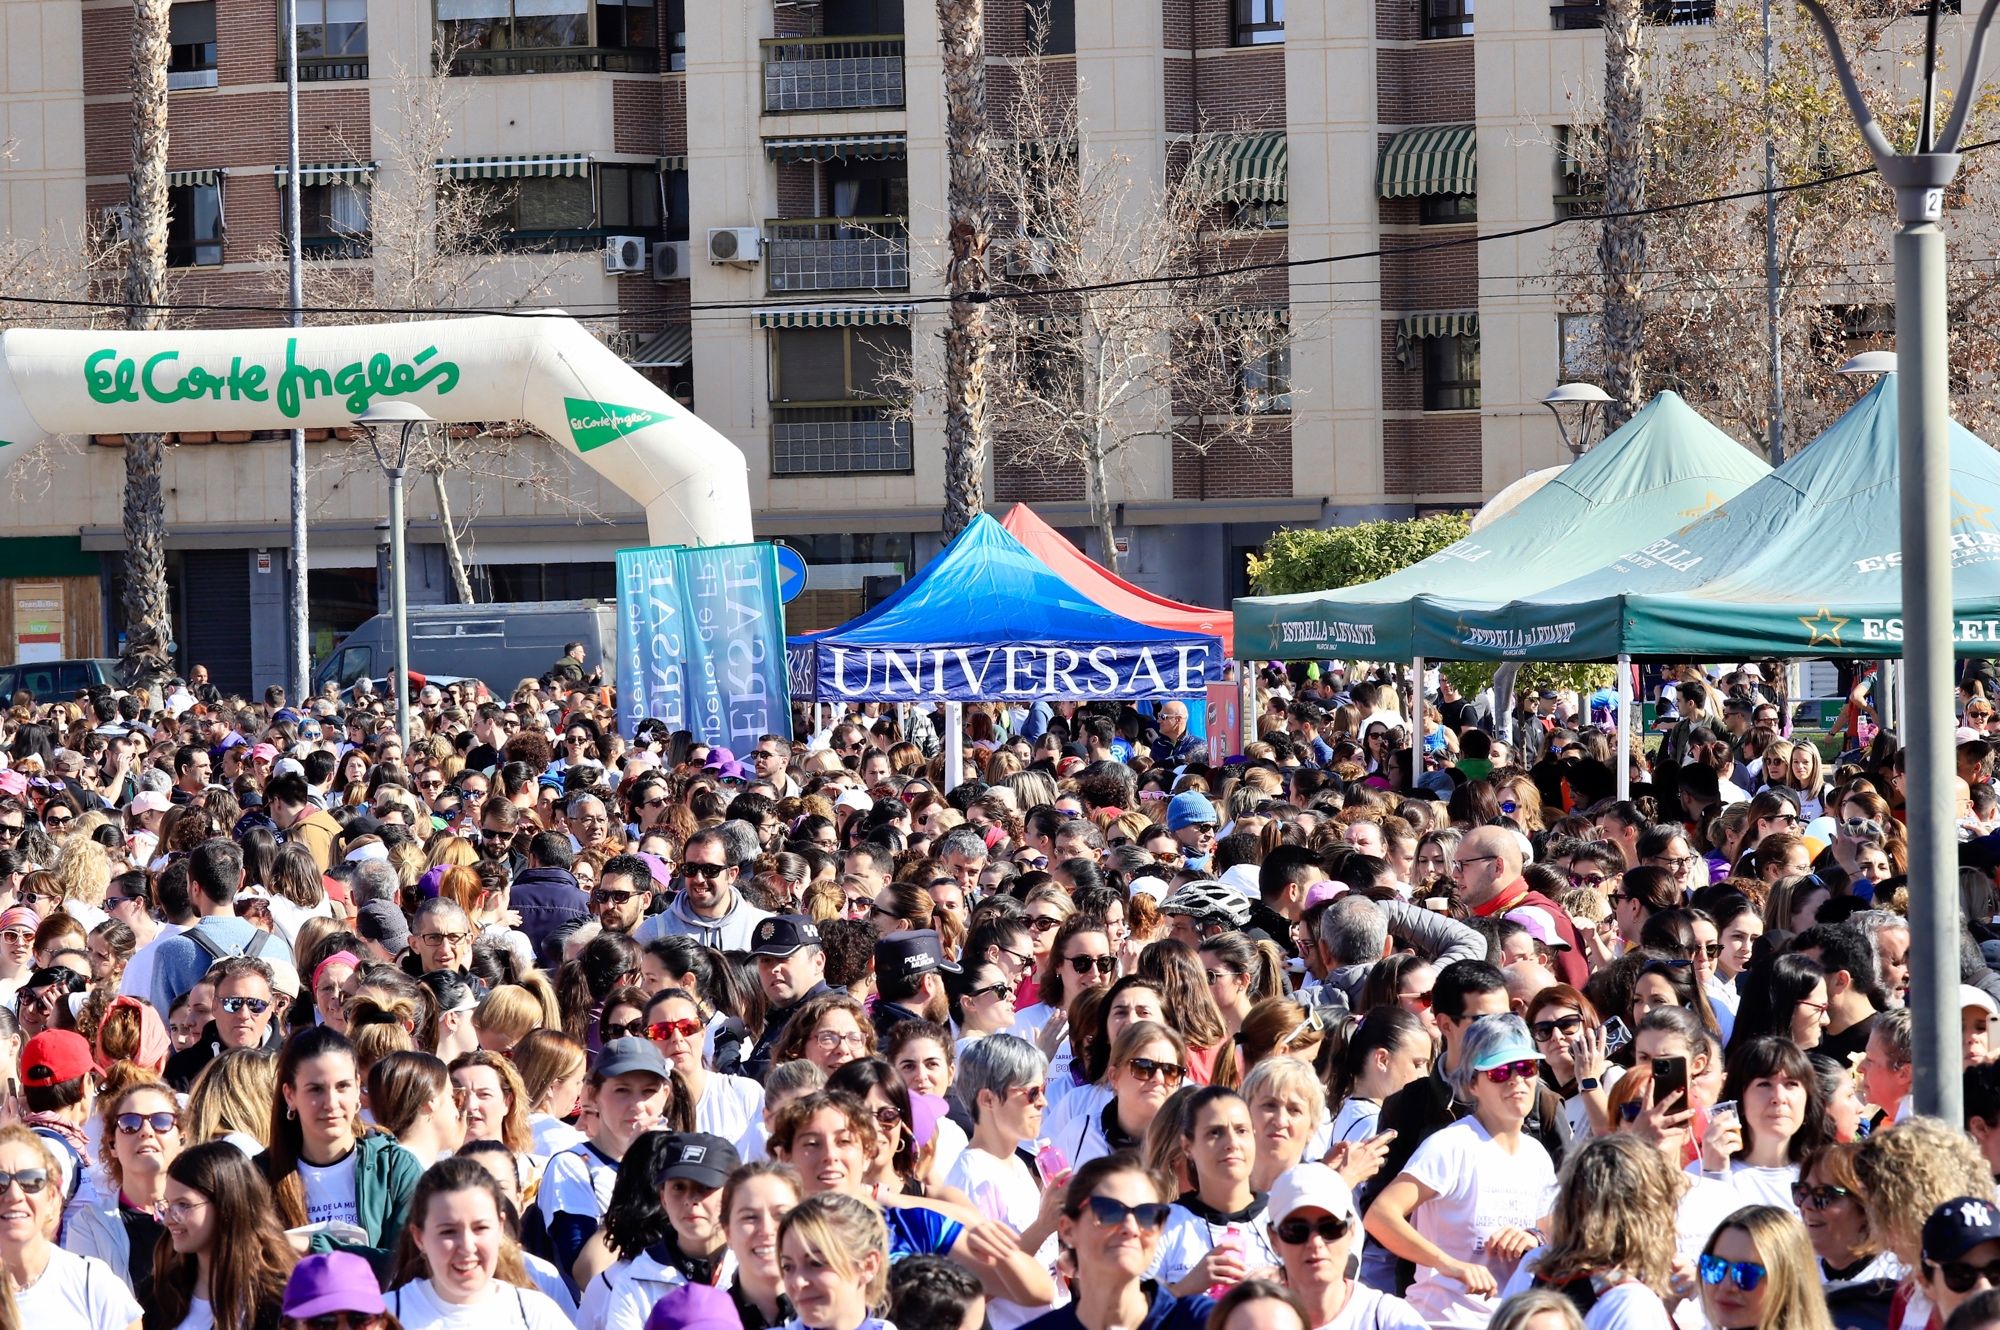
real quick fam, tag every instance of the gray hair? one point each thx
(1084, 830)
(156, 780)
(576, 805)
(739, 840)
(999, 1062)
(1480, 1038)
(441, 908)
(1895, 1026)
(1281, 1074)
(962, 841)
(793, 1078)
(1873, 923)
(374, 880)
(1354, 930)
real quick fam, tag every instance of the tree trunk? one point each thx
(1621, 251)
(454, 548)
(149, 632)
(967, 339)
(1098, 483)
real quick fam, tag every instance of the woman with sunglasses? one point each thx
(1756, 1273)
(1469, 1203)
(1050, 920)
(1570, 1037)
(1110, 1227)
(727, 1106)
(142, 1127)
(227, 1259)
(1003, 1081)
(982, 1004)
(1085, 1087)
(52, 1287)
(1858, 1275)
(1148, 1062)
(1316, 1230)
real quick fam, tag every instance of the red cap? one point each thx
(54, 1056)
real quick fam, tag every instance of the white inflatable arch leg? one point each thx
(548, 371)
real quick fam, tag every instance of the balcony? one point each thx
(558, 60)
(832, 73)
(1662, 13)
(836, 254)
(328, 68)
(839, 439)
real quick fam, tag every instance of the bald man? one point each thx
(1488, 868)
(1175, 746)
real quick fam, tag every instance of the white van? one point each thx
(499, 645)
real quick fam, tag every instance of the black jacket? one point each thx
(190, 1062)
(546, 898)
(759, 1062)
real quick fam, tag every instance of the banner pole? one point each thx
(1416, 721)
(1624, 725)
(954, 745)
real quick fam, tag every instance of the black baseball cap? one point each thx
(911, 952)
(1959, 1225)
(699, 1158)
(783, 934)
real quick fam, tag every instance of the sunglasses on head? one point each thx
(1295, 1232)
(1150, 1216)
(1747, 1274)
(1525, 1069)
(342, 1321)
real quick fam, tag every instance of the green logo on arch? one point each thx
(595, 424)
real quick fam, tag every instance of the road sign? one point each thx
(791, 573)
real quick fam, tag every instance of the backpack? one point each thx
(259, 940)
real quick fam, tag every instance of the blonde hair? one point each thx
(1285, 1075)
(453, 852)
(842, 1231)
(544, 1057)
(1910, 1170)
(82, 871)
(509, 1011)
(232, 1094)
(1607, 1215)
(1520, 1311)
(1794, 1299)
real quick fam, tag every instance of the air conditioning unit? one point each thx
(670, 261)
(624, 254)
(735, 244)
(1028, 256)
(118, 220)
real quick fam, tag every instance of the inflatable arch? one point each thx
(548, 371)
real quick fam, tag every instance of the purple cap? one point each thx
(427, 885)
(724, 764)
(662, 872)
(694, 1307)
(332, 1282)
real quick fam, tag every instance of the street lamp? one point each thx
(1919, 180)
(1589, 400)
(1869, 362)
(405, 419)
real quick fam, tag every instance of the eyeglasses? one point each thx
(1463, 859)
(1543, 1031)
(706, 872)
(1526, 1069)
(988, 990)
(1862, 828)
(1217, 976)
(29, 1180)
(1042, 923)
(1147, 1069)
(886, 913)
(1818, 1197)
(610, 896)
(444, 939)
(1675, 865)
(683, 1029)
(235, 1005)
(632, 1029)
(492, 837)
(1817, 1008)
(161, 1123)
(1150, 1216)
(832, 1039)
(1747, 1274)
(1085, 964)
(1295, 1232)
(177, 1212)
(1961, 1277)
(1033, 1094)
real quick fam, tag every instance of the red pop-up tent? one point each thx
(1109, 590)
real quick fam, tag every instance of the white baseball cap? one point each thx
(1311, 1187)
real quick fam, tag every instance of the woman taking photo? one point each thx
(462, 1268)
(1607, 1250)
(1218, 1232)
(52, 1287)
(1148, 1062)
(320, 1166)
(755, 1201)
(1481, 1171)
(1111, 1222)
(227, 1260)
(1780, 1121)
(142, 1128)
(1757, 1273)
(1317, 1233)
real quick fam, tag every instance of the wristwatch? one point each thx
(1589, 1083)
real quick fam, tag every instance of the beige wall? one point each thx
(41, 118)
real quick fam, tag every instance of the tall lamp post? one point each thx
(1589, 400)
(1919, 180)
(404, 420)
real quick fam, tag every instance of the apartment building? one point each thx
(738, 193)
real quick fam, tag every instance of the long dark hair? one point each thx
(1774, 993)
(1769, 1055)
(585, 981)
(1386, 1027)
(873, 1073)
(251, 1256)
(280, 1159)
(633, 1218)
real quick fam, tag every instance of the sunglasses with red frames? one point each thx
(1525, 1069)
(686, 1029)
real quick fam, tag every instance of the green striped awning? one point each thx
(207, 175)
(834, 316)
(674, 163)
(1431, 159)
(1413, 328)
(1247, 168)
(665, 349)
(836, 147)
(1242, 316)
(515, 168)
(326, 173)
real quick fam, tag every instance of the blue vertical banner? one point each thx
(703, 628)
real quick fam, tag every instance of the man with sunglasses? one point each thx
(1488, 868)
(1316, 1231)
(1961, 1253)
(623, 894)
(708, 908)
(245, 1003)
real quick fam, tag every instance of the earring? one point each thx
(291, 1114)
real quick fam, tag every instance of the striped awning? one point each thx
(515, 168)
(326, 173)
(834, 316)
(665, 349)
(836, 147)
(1413, 328)
(674, 163)
(1431, 159)
(1248, 168)
(1257, 316)
(207, 175)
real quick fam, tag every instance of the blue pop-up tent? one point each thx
(988, 621)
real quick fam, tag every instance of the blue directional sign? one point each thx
(791, 573)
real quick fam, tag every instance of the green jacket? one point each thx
(385, 1175)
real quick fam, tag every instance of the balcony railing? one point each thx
(334, 247)
(559, 60)
(836, 254)
(838, 439)
(328, 68)
(832, 73)
(1663, 13)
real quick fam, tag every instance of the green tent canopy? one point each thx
(1665, 466)
(1806, 562)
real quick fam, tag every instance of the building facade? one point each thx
(739, 196)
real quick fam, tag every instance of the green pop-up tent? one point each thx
(1806, 562)
(1664, 467)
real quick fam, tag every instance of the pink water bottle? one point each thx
(1232, 1240)
(1049, 1161)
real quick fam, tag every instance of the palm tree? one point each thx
(1621, 250)
(967, 339)
(149, 629)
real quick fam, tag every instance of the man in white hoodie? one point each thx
(708, 909)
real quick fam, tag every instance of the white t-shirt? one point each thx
(729, 1107)
(1006, 1190)
(577, 1182)
(1368, 1309)
(1029, 1022)
(330, 1190)
(552, 1135)
(1703, 1208)
(1763, 1186)
(1480, 1189)
(77, 1293)
(951, 1143)
(504, 1307)
(1188, 1237)
(137, 981)
(1628, 1306)
(200, 1316)
(1356, 1119)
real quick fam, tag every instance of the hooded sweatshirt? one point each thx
(731, 932)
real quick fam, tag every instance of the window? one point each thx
(1259, 22)
(1264, 379)
(549, 36)
(1447, 209)
(862, 187)
(1263, 216)
(833, 391)
(1447, 18)
(536, 207)
(629, 199)
(194, 226)
(191, 50)
(1581, 354)
(1049, 26)
(629, 24)
(674, 204)
(861, 18)
(836, 364)
(677, 38)
(1579, 170)
(332, 29)
(334, 216)
(1451, 373)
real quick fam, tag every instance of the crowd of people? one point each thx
(524, 1023)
